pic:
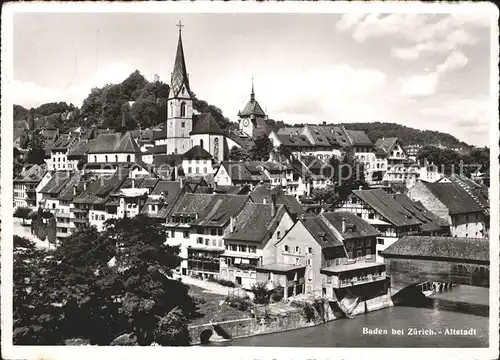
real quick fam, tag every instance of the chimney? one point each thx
(343, 226)
(273, 209)
(231, 224)
(74, 190)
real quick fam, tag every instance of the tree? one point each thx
(132, 83)
(261, 294)
(23, 213)
(325, 195)
(110, 283)
(261, 149)
(239, 154)
(349, 174)
(285, 151)
(36, 147)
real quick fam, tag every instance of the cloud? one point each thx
(420, 85)
(32, 95)
(455, 61)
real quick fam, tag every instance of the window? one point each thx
(297, 261)
(367, 242)
(102, 217)
(128, 158)
(116, 158)
(186, 234)
(213, 231)
(219, 232)
(242, 248)
(204, 170)
(310, 274)
(105, 158)
(214, 242)
(201, 143)
(278, 234)
(297, 249)
(286, 249)
(309, 262)
(371, 216)
(95, 158)
(220, 243)
(183, 112)
(197, 170)
(233, 247)
(207, 242)
(199, 240)
(380, 241)
(189, 170)
(252, 249)
(310, 250)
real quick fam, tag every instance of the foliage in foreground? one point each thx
(127, 300)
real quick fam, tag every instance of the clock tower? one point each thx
(179, 105)
(252, 119)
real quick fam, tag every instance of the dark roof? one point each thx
(430, 221)
(169, 191)
(101, 186)
(264, 191)
(160, 134)
(255, 223)
(157, 149)
(384, 145)
(197, 152)
(232, 189)
(252, 108)
(321, 232)
(33, 174)
(440, 247)
(206, 124)
(210, 209)
(294, 140)
(240, 138)
(80, 148)
(169, 159)
(236, 171)
(359, 138)
(387, 206)
(115, 143)
(454, 197)
(355, 227)
(56, 183)
(179, 75)
(68, 192)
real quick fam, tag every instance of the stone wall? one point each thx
(291, 321)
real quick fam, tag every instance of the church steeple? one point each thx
(179, 78)
(252, 95)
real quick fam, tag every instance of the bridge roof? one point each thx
(440, 247)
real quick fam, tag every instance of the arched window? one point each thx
(105, 158)
(128, 158)
(116, 158)
(216, 149)
(183, 109)
(201, 143)
(95, 158)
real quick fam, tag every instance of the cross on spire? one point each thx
(252, 94)
(180, 26)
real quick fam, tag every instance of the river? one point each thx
(439, 313)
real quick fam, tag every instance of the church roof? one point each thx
(206, 124)
(197, 152)
(115, 143)
(252, 108)
(179, 75)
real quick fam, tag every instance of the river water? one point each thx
(463, 307)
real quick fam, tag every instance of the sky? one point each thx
(425, 71)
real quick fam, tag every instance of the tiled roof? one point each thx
(206, 124)
(387, 206)
(169, 159)
(454, 197)
(252, 108)
(384, 145)
(359, 138)
(231, 189)
(264, 191)
(360, 229)
(169, 192)
(276, 167)
(220, 209)
(157, 149)
(115, 143)
(321, 232)
(56, 183)
(294, 140)
(440, 247)
(236, 171)
(68, 192)
(430, 221)
(324, 135)
(255, 223)
(160, 134)
(33, 175)
(179, 75)
(241, 139)
(62, 143)
(197, 152)
(100, 186)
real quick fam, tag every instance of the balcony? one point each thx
(243, 266)
(78, 210)
(63, 224)
(63, 215)
(204, 265)
(358, 281)
(81, 220)
(241, 254)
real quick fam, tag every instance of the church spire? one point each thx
(252, 95)
(179, 75)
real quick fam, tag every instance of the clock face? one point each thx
(245, 122)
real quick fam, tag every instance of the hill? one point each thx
(407, 135)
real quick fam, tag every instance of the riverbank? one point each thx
(296, 318)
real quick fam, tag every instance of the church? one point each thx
(185, 129)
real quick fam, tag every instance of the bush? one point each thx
(308, 312)
(278, 293)
(261, 293)
(237, 303)
(223, 282)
